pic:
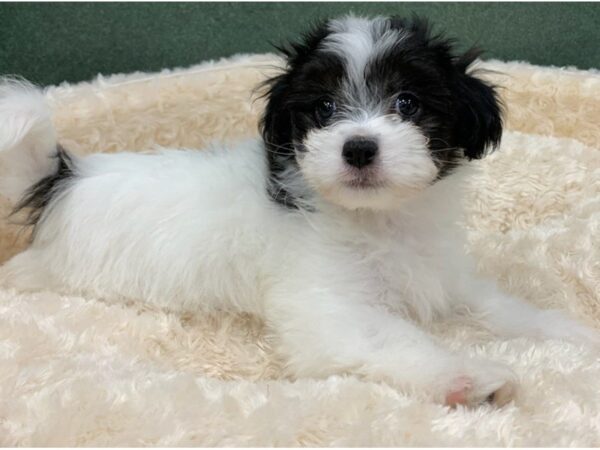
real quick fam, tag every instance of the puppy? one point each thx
(337, 227)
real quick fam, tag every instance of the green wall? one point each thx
(53, 42)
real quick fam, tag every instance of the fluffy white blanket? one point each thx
(84, 371)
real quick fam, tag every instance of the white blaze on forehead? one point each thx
(357, 40)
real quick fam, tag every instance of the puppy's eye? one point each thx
(407, 105)
(324, 110)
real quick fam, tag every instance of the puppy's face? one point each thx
(371, 112)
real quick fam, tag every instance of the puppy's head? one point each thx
(369, 112)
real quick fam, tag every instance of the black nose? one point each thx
(359, 151)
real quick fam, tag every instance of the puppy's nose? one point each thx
(359, 151)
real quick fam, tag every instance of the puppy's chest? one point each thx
(405, 274)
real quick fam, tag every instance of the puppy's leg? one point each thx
(323, 334)
(506, 315)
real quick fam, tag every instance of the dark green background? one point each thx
(53, 42)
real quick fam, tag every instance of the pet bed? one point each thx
(89, 372)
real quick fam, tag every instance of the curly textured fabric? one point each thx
(87, 372)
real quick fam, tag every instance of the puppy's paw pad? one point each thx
(459, 389)
(492, 384)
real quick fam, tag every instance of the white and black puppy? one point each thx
(338, 227)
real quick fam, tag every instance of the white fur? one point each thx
(27, 140)
(352, 39)
(195, 231)
(402, 168)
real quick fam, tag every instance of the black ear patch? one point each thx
(276, 124)
(479, 110)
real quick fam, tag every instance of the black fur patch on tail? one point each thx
(37, 198)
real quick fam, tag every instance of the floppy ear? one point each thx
(479, 114)
(276, 122)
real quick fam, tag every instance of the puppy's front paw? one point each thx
(481, 382)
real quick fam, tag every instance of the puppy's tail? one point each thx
(28, 146)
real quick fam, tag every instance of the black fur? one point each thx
(280, 122)
(460, 114)
(37, 198)
(479, 112)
